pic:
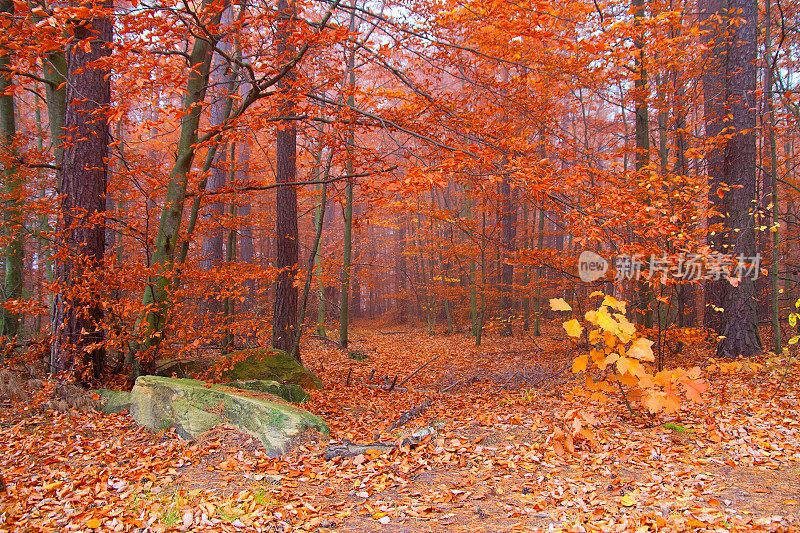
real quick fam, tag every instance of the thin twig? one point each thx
(417, 370)
(625, 398)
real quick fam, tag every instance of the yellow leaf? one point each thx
(655, 401)
(612, 302)
(611, 358)
(579, 364)
(597, 293)
(694, 388)
(624, 365)
(606, 321)
(626, 328)
(573, 328)
(53, 486)
(628, 500)
(642, 349)
(558, 304)
(93, 523)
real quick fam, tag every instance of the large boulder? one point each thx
(193, 407)
(267, 364)
(289, 392)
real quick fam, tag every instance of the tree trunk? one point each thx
(155, 301)
(509, 224)
(773, 180)
(284, 322)
(13, 217)
(344, 321)
(642, 128)
(83, 181)
(729, 86)
(213, 243)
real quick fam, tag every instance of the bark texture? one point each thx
(83, 180)
(730, 114)
(286, 247)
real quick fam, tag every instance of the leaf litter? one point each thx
(513, 449)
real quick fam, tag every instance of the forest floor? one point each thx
(497, 463)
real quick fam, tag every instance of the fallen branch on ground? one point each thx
(417, 370)
(350, 449)
(411, 414)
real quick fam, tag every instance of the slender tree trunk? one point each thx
(687, 312)
(526, 242)
(400, 272)
(642, 128)
(228, 310)
(83, 182)
(537, 323)
(344, 321)
(773, 176)
(155, 301)
(318, 270)
(213, 244)
(509, 236)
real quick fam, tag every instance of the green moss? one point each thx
(288, 391)
(114, 401)
(275, 365)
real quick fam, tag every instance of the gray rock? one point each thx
(193, 407)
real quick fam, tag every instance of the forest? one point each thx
(399, 265)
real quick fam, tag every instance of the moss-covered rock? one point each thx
(114, 401)
(289, 392)
(193, 407)
(266, 364)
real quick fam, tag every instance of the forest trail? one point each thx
(501, 460)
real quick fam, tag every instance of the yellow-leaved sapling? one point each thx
(619, 360)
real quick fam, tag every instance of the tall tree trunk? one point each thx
(350, 75)
(246, 244)
(687, 312)
(230, 257)
(213, 243)
(13, 217)
(537, 310)
(526, 243)
(642, 128)
(319, 213)
(83, 183)
(284, 322)
(769, 82)
(729, 86)
(401, 289)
